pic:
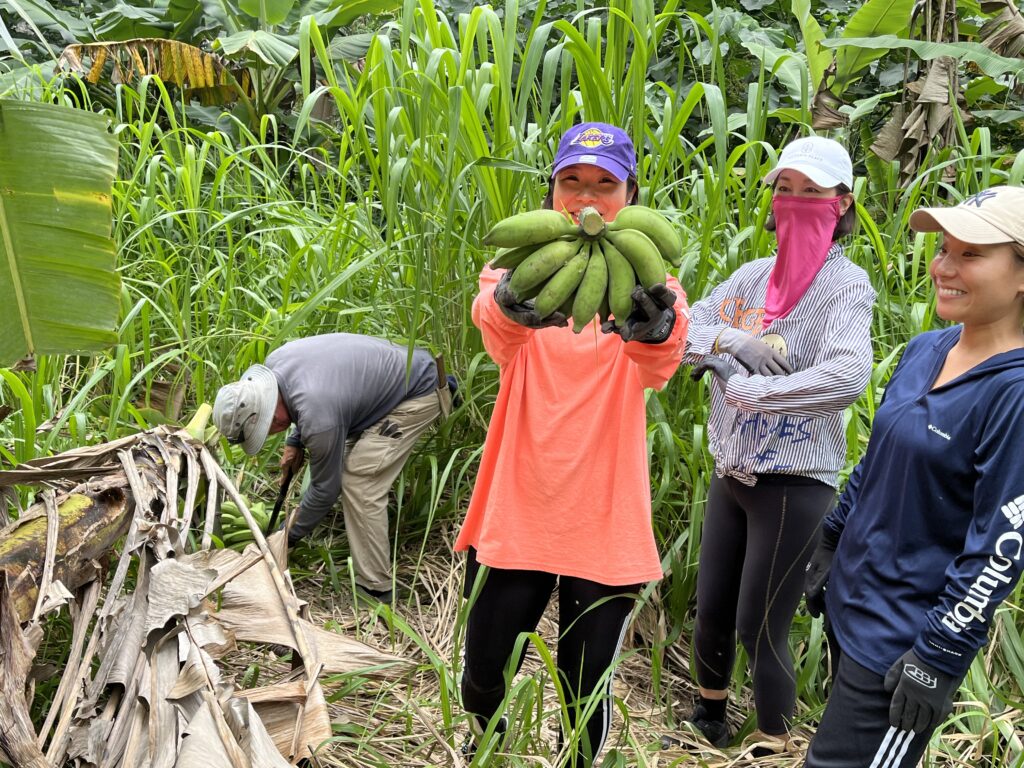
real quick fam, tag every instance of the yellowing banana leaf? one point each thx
(58, 284)
(202, 74)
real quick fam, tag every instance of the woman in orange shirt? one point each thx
(562, 497)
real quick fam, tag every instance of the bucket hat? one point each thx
(244, 409)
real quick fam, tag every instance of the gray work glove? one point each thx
(523, 313)
(721, 370)
(753, 354)
(922, 696)
(653, 316)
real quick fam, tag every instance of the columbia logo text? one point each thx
(939, 432)
(1014, 511)
(992, 577)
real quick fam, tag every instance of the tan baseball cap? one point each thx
(994, 215)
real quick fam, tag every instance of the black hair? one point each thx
(846, 225)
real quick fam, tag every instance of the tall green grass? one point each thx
(232, 242)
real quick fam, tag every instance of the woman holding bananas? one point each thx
(563, 492)
(793, 332)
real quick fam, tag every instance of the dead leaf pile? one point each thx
(142, 686)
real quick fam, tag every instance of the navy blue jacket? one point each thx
(931, 525)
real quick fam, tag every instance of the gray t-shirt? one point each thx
(334, 387)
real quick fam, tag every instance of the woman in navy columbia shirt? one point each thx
(928, 537)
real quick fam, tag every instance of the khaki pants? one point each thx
(372, 463)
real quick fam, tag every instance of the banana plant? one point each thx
(256, 42)
(58, 284)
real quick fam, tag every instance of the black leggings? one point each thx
(592, 619)
(756, 543)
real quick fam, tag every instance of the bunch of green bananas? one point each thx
(235, 531)
(584, 269)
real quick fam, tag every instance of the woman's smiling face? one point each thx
(977, 284)
(581, 185)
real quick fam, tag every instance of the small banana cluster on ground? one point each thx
(584, 269)
(235, 531)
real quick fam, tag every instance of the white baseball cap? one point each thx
(823, 161)
(994, 215)
(244, 409)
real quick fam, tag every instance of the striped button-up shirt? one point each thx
(788, 424)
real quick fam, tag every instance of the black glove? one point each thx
(753, 354)
(721, 369)
(816, 574)
(453, 388)
(523, 313)
(922, 696)
(652, 318)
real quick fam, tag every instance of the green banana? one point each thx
(641, 253)
(655, 226)
(621, 281)
(604, 311)
(530, 293)
(560, 287)
(593, 288)
(566, 306)
(540, 265)
(510, 258)
(530, 228)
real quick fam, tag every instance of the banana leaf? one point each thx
(174, 62)
(990, 63)
(353, 9)
(818, 58)
(875, 18)
(267, 11)
(58, 284)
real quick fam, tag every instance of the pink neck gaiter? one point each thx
(804, 227)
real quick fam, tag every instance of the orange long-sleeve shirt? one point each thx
(564, 485)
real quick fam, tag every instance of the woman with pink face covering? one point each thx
(788, 340)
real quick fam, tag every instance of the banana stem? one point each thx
(197, 426)
(592, 226)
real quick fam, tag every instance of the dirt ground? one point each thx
(405, 722)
